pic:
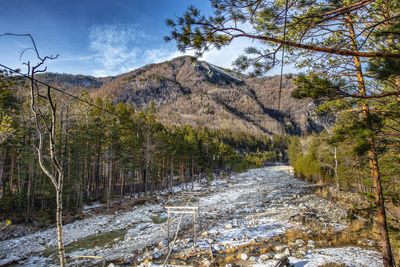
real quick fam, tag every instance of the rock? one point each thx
(301, 253)
(204, 234)
(279, 256)
(264, 257)
(284, 261)
(162, 244)
(311, 244)
(133, 231)
(253, 259)
(287, 252)
(217, 248)
(111, 265)
(243, 256)
(207, 263)
(279, 248)
(127, 238)
(228, 226)
(10, 259)
(147, 255)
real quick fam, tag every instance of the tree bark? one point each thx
(60, 237)
(388, 260)
(56, 179)
(110, 167)
(122, 174)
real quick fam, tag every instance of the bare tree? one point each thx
(46, 125)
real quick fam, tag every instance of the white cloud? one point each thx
(113, 47)
(121, 48)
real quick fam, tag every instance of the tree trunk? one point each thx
(388, 260)
(336, 170)
(192, 174)
(12, 174)
(182, 175)
(60, 237)
(122, 172)
(110, 167)
(172, 172)
(147, 161)
(55, 177)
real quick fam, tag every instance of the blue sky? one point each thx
(99, 37)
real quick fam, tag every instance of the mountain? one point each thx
(188, 91)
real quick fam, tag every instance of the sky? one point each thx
(99, 37)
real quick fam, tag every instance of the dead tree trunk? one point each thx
(50, 128)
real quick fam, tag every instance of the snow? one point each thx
(94, 205)
(350, 256)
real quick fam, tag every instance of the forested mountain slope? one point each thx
(187, 91)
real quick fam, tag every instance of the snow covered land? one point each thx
(249, 219)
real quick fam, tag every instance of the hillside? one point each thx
(189, 91)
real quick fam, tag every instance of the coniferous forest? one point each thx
(111, 150)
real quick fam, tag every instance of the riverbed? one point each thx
(253, 218)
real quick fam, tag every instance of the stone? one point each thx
(264, 257)
(243, 256)
(287, 252)
(217, 248)
(133, 231)
(206, 263)
(147, 255)
(111, 265)
(279, 256)
(204, 234)
(284, 261)
(163, 244)
(311, 244)
(127, 237)
(228, 226)
(253, 259)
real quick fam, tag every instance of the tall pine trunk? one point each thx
(388, 260)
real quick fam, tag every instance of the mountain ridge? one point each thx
(187, 91)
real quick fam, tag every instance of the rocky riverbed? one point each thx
(254, 218)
